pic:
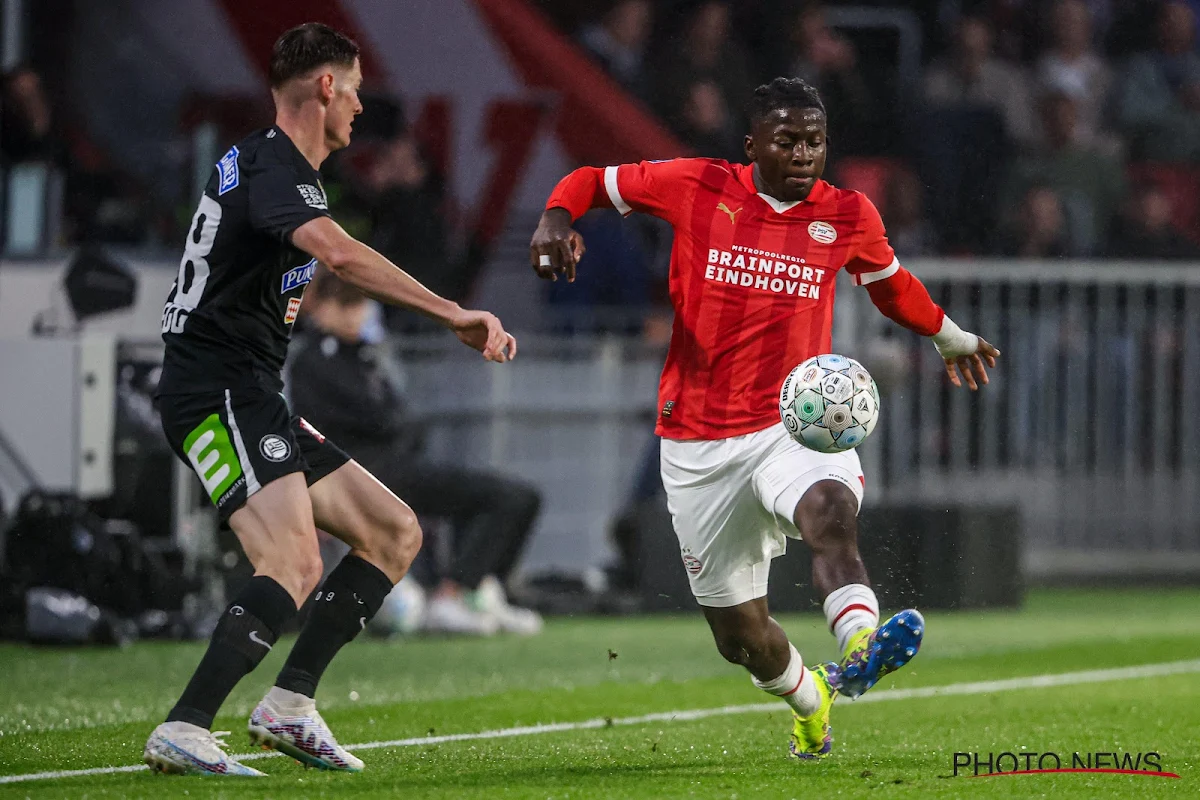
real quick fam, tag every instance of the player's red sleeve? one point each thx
(652, 187)
(873, 258)
(579, 192)
(905, 300)
(895, 291)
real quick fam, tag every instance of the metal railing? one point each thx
(1091, 424)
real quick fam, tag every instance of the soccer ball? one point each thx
(402, 612)
(829, 403)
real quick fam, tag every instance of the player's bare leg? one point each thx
(384, 537)
(275, 528)
(827, 517)
(747, 635)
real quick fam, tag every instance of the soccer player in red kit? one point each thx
(756, 255)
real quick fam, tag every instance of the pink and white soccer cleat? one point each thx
(290, 723)
(180, 748)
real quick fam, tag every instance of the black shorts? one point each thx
(240, 440)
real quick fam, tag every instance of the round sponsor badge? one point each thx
(274, 447)
(822, 232)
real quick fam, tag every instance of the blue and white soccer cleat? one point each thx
(296, 729)
(180, 748)
(871, 654)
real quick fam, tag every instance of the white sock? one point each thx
(849, 610)
(796, 686)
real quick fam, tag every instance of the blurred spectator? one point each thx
(908, 230)
(350, 391)
(707, 126)
(705, 52)
(972, 76)
(1040, 230)
(1072, 66)
(619, 42)
(1146, 232)
(26, 126)
(405, 202)
(612, 288)
(830, 63)
(1089, 183)
(1159, 97)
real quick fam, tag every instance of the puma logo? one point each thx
(732, 214)
(255, 638)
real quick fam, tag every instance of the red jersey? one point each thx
(752, 282)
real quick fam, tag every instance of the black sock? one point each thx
(347, 600)
(242, 638)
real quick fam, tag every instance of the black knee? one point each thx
(743, 646)
(827, 515)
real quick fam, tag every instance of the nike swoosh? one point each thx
(254, 638)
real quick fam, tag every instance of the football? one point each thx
(829, 403)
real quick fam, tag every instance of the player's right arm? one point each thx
(652, 187)
(377, 277)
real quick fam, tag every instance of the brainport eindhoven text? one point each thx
(763, 271)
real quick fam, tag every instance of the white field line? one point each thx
(878, 696)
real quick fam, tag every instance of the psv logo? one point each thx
(822, 232)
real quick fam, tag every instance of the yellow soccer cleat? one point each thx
(812, 736)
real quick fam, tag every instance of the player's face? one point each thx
(344, 106)
(788, 146)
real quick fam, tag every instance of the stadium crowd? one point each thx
(1035, 129)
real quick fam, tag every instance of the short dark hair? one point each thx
(306, 47)
(782, 93)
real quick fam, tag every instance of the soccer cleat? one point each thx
(297, 730)
(812, 736)
(491, 600)
(871, 654)
(180, 748)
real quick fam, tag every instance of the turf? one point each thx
(76, 709)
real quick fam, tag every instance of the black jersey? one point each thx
(229, 315)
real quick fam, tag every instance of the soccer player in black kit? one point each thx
(255, 241)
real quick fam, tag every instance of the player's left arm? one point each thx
(902, 298)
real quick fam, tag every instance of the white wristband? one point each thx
(952, 341)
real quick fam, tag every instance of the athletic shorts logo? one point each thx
(211, 453)
(274, 447)
(293, 310)
(822, 232)
(668, 408)
(228, 168)
(295, 278)
(237, 611)
(692, 564)
(313, 196)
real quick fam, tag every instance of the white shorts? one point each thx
(732, 501)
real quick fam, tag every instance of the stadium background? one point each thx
(1037, 164)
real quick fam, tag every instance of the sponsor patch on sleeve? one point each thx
(228, 168)
(313, 196)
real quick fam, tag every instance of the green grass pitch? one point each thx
(78, 709)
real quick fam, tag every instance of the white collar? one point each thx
(779, 206)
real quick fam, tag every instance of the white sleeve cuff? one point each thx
(864, 278)
(614, 194)
(952, 341)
